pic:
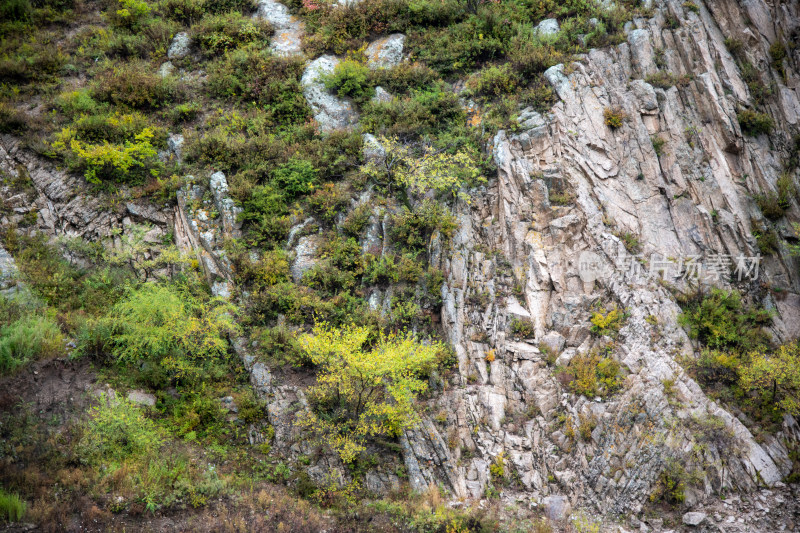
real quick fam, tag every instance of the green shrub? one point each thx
(12, 507)
(136, 85)
(76, 102)
(530, 56)
(185, 112)
(117, 430)
(16, 10)
(220, 33)
(671, 485)
(223, 6)
(253, 74)
(493, 81)
(350, 78)
(12, 120)
(129, 13)
(614, 116)
(420, 113)
(607, 322)
(522, 328)
(328, 201)
(182, 335)
(721, 321)
(28, 338)
(187, 12)
(754, 123)
(767, 239)
(413, 229)
(593, 375)
(404, 77)
(131, 161)
(658, 144)
(295, 178)
(266, 215)
(774, 204)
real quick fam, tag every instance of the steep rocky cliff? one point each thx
(675, 182)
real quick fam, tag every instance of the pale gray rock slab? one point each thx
(547, 27)
(385, 52)
(166, 69)
(694, 518)
(141, 397)
(381, 95)
(180, 46)
(330, 112)
(305, 258)
(287, 39)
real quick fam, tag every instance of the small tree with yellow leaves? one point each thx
(364, 389)
(776, 376)
(420, 168)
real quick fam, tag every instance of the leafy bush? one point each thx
(129, 160)
(420, 168)
(404, 77)
(16, 10)
(414, 229)
(420, 113)
(221, 33)
(493, 81)
(607, 322)
(754, 123)
(671, 485)
(253, 74)
(295, 178)
(774, 204)
(614, 116)
(266, 215)
(775, 376)
(350, 78)
(592, 375)
(26, 339)
(522, 328)
(12, 507)
(116, 430)
(181, 334)
(720, 320)
(362, 392)
(76, 102)
(12, 120)
(134, 84)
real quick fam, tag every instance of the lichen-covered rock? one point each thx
(330, 112)
(180, 46)
(385, 52)
(548, 27)
(287, 39)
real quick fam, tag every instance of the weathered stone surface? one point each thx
(287, 39)
(548, 27)
(305, 256)
(385, 52)
(331, 112)
(141, 397)
(180, 46)
(694, 518)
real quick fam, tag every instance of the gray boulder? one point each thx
(180, 46)
(332, 113)
(386, 52)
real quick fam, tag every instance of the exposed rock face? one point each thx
(620, 185)
(180, 46)
(61, 202)
(548, 27)
(385, 52)
(287, 39)
(203, 225)
(331, 112)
